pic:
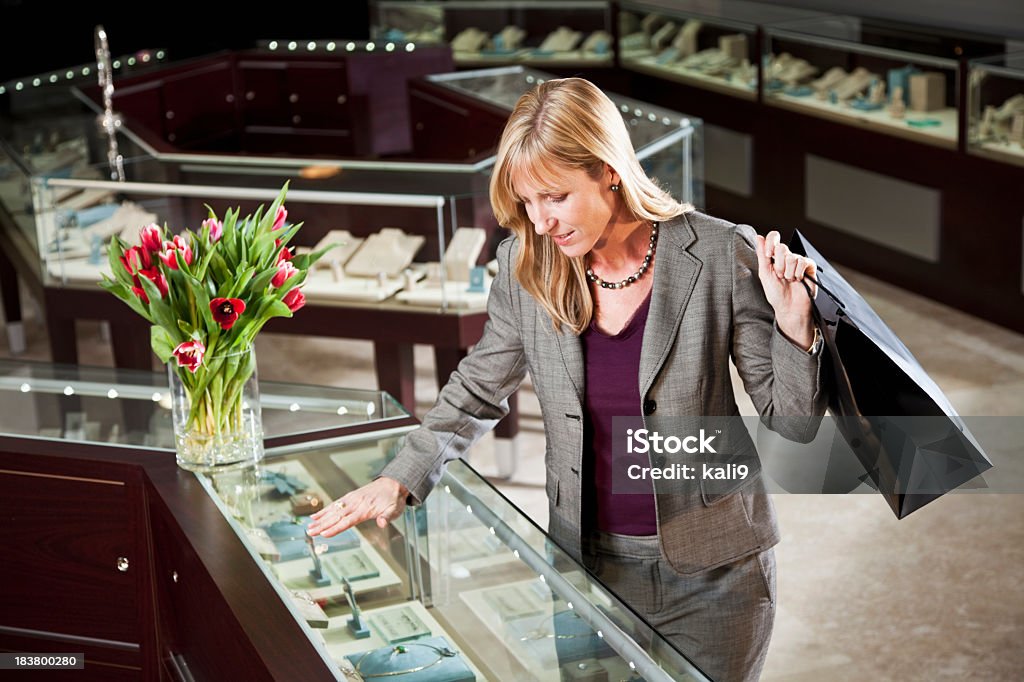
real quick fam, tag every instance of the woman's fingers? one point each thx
(373, 501)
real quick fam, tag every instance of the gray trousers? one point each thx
(721, 619)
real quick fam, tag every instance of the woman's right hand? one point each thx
(382, 499)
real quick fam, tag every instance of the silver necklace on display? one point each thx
(591, 277)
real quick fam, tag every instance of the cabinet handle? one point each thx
(122, 564)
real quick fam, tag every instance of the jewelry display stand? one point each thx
(366, 270)
(345, 244)
(389, 251)
(460, 257)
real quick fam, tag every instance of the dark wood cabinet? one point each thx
(76, 571)
(120, 555)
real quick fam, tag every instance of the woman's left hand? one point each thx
(781, 273)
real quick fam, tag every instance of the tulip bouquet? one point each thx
(207, 294)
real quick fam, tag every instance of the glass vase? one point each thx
(216, 412)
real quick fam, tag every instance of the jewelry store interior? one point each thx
(889, 134)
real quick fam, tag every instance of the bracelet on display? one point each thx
(442, 652)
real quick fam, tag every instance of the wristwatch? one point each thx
(816, 344)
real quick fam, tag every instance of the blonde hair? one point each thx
(567, 124)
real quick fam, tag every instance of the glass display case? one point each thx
(132, 408)
(668, 143)
(489, 32)
(995, 124)
(464, 587)
(45, 131)
(411, 233)
(390, 254)
(888, 78)
(710, 45)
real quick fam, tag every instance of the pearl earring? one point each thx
(615, 188)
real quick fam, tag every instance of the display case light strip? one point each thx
(95, 389)
(295, 195)
(291, 45)
(618, 640)
(83, 70)
(89, 389)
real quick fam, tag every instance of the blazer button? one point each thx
(649, 407)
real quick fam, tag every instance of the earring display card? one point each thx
(389, 251)
(352, 566)
(399, 626)
(513, 602)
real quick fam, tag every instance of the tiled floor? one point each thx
(938, 595)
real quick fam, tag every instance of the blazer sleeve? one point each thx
(783, 381)
(475, 397)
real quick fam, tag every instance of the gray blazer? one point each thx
(707, 305)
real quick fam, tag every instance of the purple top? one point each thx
(613, 390)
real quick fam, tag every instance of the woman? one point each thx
(622, 302)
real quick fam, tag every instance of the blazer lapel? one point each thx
(571, 349)
(675, 275)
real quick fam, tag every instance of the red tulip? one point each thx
(151, 237)
(157, 278)
(190, 355)
(179, 244)
(282, 214)
(226, 311)
(135, 259)
(285, 269)
(294, 299)
(284, 255)
(140, 292)
(216, 229)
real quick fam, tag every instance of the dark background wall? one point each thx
(37, 36)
